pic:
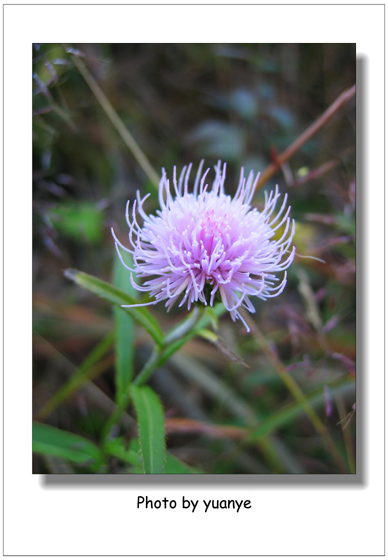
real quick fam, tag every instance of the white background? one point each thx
(289, 516)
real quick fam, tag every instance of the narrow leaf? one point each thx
(131, 454)
(176, 466)
(124, 332)
(152, 431)
(118, 297)
(117, 448)
(59, 443)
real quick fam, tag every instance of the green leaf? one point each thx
(124, 331)
(208, 335)
(131, 454)
(118, 448)
(152, 432)
(176, 466)
(59, 443)
(112, 294)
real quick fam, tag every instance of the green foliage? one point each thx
(175, 466)
(118, 297)
(124, 332)
(128, 453)
(59, 443)
(150, 418)
(291, 412)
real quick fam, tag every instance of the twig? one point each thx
(318, 172)
(306, 135)
(322, 169)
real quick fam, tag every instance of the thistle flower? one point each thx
(204, 246)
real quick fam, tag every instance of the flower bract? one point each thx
(203, 245)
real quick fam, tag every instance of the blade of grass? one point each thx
(92, 366)
(152, 431)
(147, 370)
(124, 333)
(215, 388)
(263, 434)
(99, 399)
(130, 454)
(127, 137)
(59, 443)
(176, 466)
(118, 448)
(118, 297)
(293, 411)
(296, 392)
(218, 390)
(348, 441)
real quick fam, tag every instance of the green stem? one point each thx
(161, 353)
(172, 342)
(182, 329)
(115, 417)
(143, 376)
(149, 367)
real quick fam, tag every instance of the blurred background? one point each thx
(231, 406)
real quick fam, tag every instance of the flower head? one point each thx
(203, 245)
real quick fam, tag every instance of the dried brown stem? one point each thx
(340, 102)
(322, 169)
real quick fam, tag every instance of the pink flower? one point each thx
(204, 245)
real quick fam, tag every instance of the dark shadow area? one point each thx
(227, 480)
